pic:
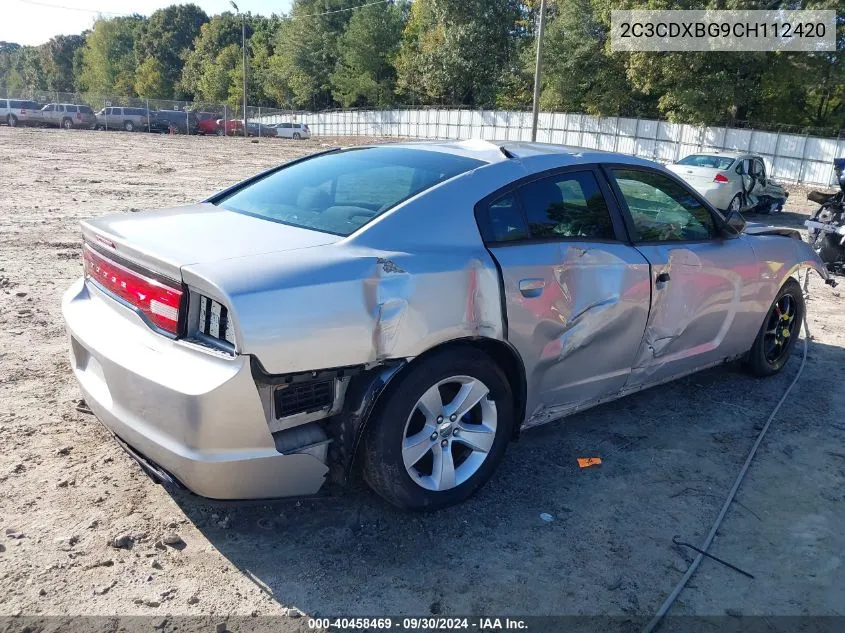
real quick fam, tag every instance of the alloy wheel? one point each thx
(449, 433)
(780, 327)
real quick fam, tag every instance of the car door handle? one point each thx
(531, 288)
(662, 278)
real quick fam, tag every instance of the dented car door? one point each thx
(701, 278)
(577, 296)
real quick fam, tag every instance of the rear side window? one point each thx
(70, 108)
(569, 205)
(286, 126)
(342, 191)
(506, 221)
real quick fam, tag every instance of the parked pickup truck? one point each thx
(68, 116)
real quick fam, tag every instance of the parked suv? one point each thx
(19, 112)
(173, 121)
(68, 115)
(293, 130)
(120, 118)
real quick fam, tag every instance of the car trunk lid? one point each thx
(696, 176)
(164, 241)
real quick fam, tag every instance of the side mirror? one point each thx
(735, 222)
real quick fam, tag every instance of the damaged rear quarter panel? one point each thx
(414, 278)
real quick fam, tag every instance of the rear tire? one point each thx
(452, 457)
(779, 333)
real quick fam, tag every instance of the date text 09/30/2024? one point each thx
(419, 624)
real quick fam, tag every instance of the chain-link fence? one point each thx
(792, 154)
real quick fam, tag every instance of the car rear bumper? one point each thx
(186, 413)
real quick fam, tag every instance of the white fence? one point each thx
(797, 158)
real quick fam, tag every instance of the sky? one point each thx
(34, 22)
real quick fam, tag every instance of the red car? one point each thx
(231, 127)
(207, 122)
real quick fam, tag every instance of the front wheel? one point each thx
(128, 126)
(67, 124)
(12, 120)
(779, 333)
(441, 433)
(296, 136)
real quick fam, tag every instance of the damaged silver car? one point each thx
(404, 311)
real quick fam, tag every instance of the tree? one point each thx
(167, 38)
(108, 58)
(306, 52)
(150, 80)
(215, 35)
(221, 75)
(453, 51)
(365, 73)
(56, 57)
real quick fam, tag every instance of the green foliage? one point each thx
(108, 58)
(220, 32)
(56, 58)
(365, 72)
(453, 50)
(150, 80)
(473, 53)
(166, 39)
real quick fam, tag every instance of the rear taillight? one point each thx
(721, 178)
(157, 301)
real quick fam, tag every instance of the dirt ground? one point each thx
(67, 491)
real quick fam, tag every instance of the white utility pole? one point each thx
(243, 52)
(537, 70)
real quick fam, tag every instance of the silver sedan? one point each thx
(409, 309)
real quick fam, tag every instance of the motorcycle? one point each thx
(826, 227)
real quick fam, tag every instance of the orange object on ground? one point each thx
(586, 462)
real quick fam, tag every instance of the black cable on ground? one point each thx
(670, 600)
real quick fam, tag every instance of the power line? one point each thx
(59, 6)
(290, 17)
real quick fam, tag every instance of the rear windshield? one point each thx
(342, 191)
(707, 160)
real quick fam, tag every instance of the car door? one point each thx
(701, 276)
(576, 294)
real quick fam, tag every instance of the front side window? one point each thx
(342, 191)
(70, 108)
(569, 205)
(662, 209)
(759, 168)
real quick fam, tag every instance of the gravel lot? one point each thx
(68, 494)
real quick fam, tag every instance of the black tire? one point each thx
(759, 361)
(221, 131)
(381, 450)
(296, 136)
(67, 123)
(12, 120)
(128, 126)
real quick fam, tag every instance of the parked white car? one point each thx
(732, 181)
(293, 130)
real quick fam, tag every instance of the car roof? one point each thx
(527, 153)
